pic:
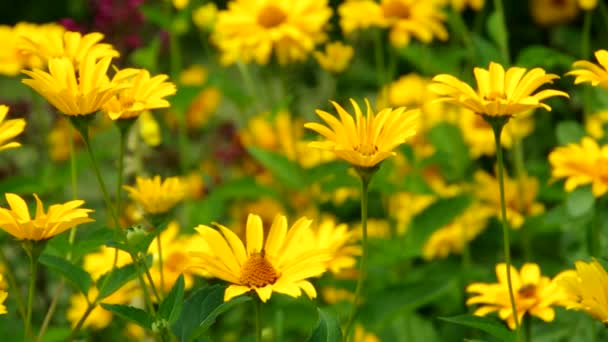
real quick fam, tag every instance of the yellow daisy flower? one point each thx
(336, 56)
(9, 129)
(205, 16)
(280, 264)
(551, 12)
(59, 218)
(359, 14)
(154, 196)
(587, 289)
(594, 124)
(74, 92)
(581, 164)
(144, 93)
(586, 71)
(149, 129)
(73, 46)
(252, 30)
(534, 294)
(367, 140)
(338, 240)
(499, 93)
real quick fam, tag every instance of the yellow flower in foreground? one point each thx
(534, 294)
(9, 129)
(73, 46)
(157, 197)
(252, 30)
(581, 164)
(587, 289)
(366, 140)
(59, 218)
(338, 240)
(595, 74)
(143, 93)
(3, 295)
(71, 92)
(280, 264)
(336, 57)
(499, 93)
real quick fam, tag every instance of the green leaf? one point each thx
(285, 170)
(327, 329)
(569, 131)
(74, 274)
(432, 218)
(580, 201)
(200, 311)
(489, 325)
(90, 241)
(147, 57)
(543, 56)
(497, 30)
(172, 305)
(485, 51)
(115, 279)
(129, 313)
(452, 154)
(434, 60)
(156, 15)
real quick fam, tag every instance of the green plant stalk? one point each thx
(30, 296)
(528, 327)
(12, 282)
(520, 173)
(81, 321)
(504, 48)
(363, 263)
(160, 263)
(121, 166)
(497, 128)
(249, 85)
(257, 303)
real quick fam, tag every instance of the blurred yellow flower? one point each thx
(594, 124)
(280, 264)
(422, 20)
(58, 139)
(156, 196)
(361, 335)
(587, 5)
(499, 93)
(276, 132)
(412, 91)
(74, 92)
(586, 71)
(403, 206)
(99, 317)
(460, 5)
(251, 30)
(368, 140)
(194, 75)
(180, 4)
(534, 294)
(72, 46)
(452, 237)
(336, 57)
(520, 199)
(12, 57)
(587, 289)
(9, 129)
(59, 218)
(149, 130)
(333, 295)
(205, 16)
(581, 164)
(143, 93)
(3, 295)
(551, 12)
(338, 240)
(202, 107)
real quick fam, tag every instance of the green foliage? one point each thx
(115, 279)
(171, 306)
(327, 329)
(488, 325)
(452, 154)
(569, 132)
(129, 313)
(286, 171)
(74, 274)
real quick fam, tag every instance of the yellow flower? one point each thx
(336, 56)
(368, 140)
(9, 129)
(3, 295)
(205, 16)
(157, 197)
(422, 20)
(460, 5)
(581, 164)
(595, 74)
(519, 202)
(99, 317)
(534, 294)
(281, 264)
(403, 206)
(587, 289)
(202, 107)
(452, 237)
(180, 4)
(58, 139)
(149, 130)
(594, 124)
(252, 30)
(143, 93)
(59, 218)
(194, 75)
(499, 93)
(587, 5)
(551, 12)
(339, 241)
(361, 335)
(71, 92)
(274, 132)
(72, 46)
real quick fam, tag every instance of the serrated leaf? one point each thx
(172, 305)
(489, 325)
(129, 313)
(580, 201)
(327, 329)
(286, 171)
(74, 274)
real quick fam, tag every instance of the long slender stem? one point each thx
(30, 296)
(520, 174)
(258, 319)
(363, 263)
(160, 263)
(81, 321)
(497, 128)
(249, 85)
(504, 46)
(12, 282)
(121, 167)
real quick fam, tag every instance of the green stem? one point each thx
(466, 251)
(30, 296)
(81, 321)
(363, 263)
(121, 163)
(520, 173)
(50, 311)
(12, 282)
(497, 128)
(504, 46)
(160, 263)
(73, 169)
(258, 319)
(249, 85)
(528, 327)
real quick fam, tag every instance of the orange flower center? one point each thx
(395, 9)
(271, 16)
(258, 272)
(527, 291)
(367, 150)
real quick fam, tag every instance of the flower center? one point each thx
(271, 16)
(395, 9)
(527, 291)
(258, 272)
(494, 96)
(367, 150)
